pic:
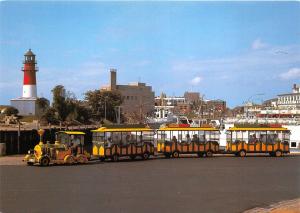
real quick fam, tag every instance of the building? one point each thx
(138, 98)
(192, 97)
(27, 103)
(290, 100)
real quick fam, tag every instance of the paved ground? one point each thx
(219, 184)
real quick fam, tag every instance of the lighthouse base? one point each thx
(25, 106)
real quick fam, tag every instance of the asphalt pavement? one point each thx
(218, 184)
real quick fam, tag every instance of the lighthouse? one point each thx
(27, 103)
(29, 80)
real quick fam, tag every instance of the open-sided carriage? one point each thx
(67, 149)
(259, 139)
(114, 142)
(175, 140)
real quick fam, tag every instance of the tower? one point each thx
(29, 81)
(113, 79)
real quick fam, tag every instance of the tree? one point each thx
(50, 116)
(101, 101)
(67, 107)
(11, 111)
(42, 104)
(78, 111)
(60, 102)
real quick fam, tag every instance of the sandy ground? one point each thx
(289, 206)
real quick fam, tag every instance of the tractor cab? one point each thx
(67, 149)
(70, 138)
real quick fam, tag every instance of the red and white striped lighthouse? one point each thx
(29, 69)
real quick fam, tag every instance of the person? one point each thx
(202, 138)
(174, 139)
(109, 142)
(195, 138)
(188, 139)
(140, 140)
(73, 148)
(253, 138)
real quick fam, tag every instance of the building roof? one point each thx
(288, 94)
(29, 53)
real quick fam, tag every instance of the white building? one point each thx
(290, 100)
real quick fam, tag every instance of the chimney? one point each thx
(113, 79)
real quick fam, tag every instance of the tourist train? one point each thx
(117, 142)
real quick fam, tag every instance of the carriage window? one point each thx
(148, 136)
(98, 137)
(186, 137)
(116, 137)
(245, 136)
(237, 136)
(252, 137)
(214, 135)
(228, 136)
(161, 135)
(286, 136)
(201, 136)
(62, 138)
(76, 139)
(272, 137)
(263, 136)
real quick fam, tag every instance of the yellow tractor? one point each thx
(67, 149)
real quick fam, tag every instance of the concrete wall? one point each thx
(25, 107)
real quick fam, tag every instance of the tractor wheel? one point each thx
(278, 153)
(175, 154)
(30, 163)
(209, 154)
(146, 156)
(242, 153)
(44, 161)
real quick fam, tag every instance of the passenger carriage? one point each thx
(258, 139)
(174, 140)
(114, 142)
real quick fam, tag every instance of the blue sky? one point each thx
(225, 50)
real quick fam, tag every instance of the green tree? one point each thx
(60, 104)
(100, 101)
(42, 104)
(50, 116)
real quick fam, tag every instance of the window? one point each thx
(161, 135)
(98, 137)
(294, 144)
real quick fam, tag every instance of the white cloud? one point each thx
(258, 44)
(292, 73)
(195, 81)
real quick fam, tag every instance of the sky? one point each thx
(235, 51)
